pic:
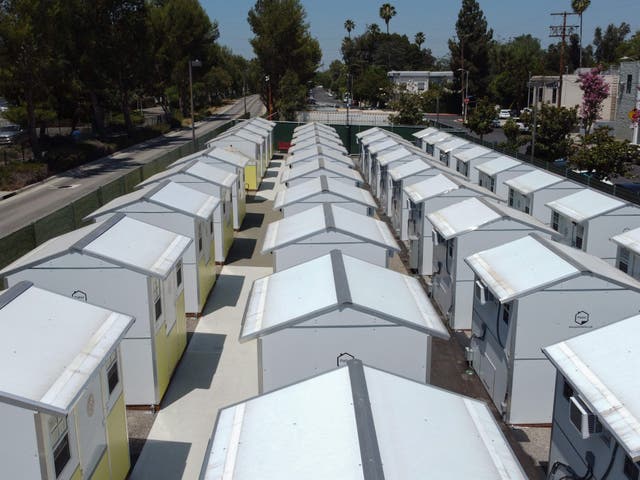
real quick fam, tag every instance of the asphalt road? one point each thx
(41, 199)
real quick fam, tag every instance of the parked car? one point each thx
(12, 135)
(504, 114)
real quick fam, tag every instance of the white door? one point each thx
(91, 425)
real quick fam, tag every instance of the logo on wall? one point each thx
(581, 319)
(79, 295)
(343, 358)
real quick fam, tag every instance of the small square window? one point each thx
(567, 390)
(59, 437)
(112, 372)
(179, 273)
(157, 297)
(211, 225)
(629, 83)
(506, 313)
(555, 220)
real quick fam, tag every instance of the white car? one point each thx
(504, 114)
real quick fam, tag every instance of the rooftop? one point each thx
(497, 165)
(199, 170)
(320, 185)
(629, 239)
(474, 152)
(320, 165)
(533, 181)
(585, 204)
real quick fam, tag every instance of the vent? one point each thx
(584, 421)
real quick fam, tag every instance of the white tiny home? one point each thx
(342, 308)
(365, 139)
(596, 413)
(264, 131)
(419, 135)
(531, 192)
(465, 161)
(493, 174)
(314, 127)
(330, 138)
(373, 149)
(357, 422)
(128, 266)
(319, 151)
(317, 191)
(61, 405)
(444, 151)
(292, 176)
(183, 210)
(628, 254)
(269, 127)
(254, 134)
(427, 196)
(310, 142)
(460, 230)
(383, 161)
(531, 293)
(317, 231)
(212, 181)
(588, 219)
(250, 144)
(429, 141)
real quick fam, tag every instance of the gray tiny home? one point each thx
(588, 219)
(465, 161)
(317, 231)
(294, 175)
(493, 174)
(463, 229)
(381, 186)
(628, 253)
(372, 150)
(428, 142)
(394, 151)
(444, 151)
(596, 413)
(316, 152)
(528, 294)
(312, 317)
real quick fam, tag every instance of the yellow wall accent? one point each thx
(242, 208)
(118, 441)
(251, 176)
(77, 475)
(206, 276)
(162, 360)
(178, 335)
(227, 236)
(102, 469)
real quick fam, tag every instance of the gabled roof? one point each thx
(533, 181)
(585, 204)
(368, 132)
(436, 137)
(256, 129)
(175, 196)
(320, 165)
(120, 240)
(51, 346)
(319, 151)
(358, 423)
(378, 135)
(441, 184)
(324, 218)
(337, 282)
(474, 152)
(602, 366)
(450, 144)
(227, 155)
(526, 265)
(199, 170)
(313, 134)
(476, 212)
(629, 239)
(383, 144)
(320, 185)
(404, 170)
(240, 133)
(386, 157)
(497, 165)
(333, 144)
(264, 122)
(313, 126)
(425, 132)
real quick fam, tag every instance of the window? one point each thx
(199, 237)
(511, 195)
(506, 313)
(555, 220)
(630, 469)
(444, 158)
(623, 259)
(59, 437)
(179, 273)
(629, 83)
(540, 93)
(157, 298)
(554, 95)
(450, 248)
(463, 168)
(211, 224)
(567, 390)
(112, 372)
(578, 236)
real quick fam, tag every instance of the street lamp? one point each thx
(193, 63)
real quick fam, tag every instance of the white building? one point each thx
(628, 254)
(317, 140)
(252, 145)
(357, 422)
(428, 142)
(466, 161)
(292, 176)
(317, 231)
(312, 154)
(419, 81)
(127, 266)
(61, 405)
(531, 293)
(463, 229)
(373, 148)
(493, 174)
(312, 317)
(596, 413)
(314, 127)
(450, 147)
(380, 180)
(420, 134)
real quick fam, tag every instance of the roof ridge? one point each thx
(329, 220)
(10, 294)
(341, 281)
(97, 232)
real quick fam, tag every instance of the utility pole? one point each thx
(562, 31)
(193, 63)
(244, 91)
(462, 92)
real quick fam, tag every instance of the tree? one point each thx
(481, 118)
(595, 91)
(387, 12)
(471, 50)
(608, 43)
(373, 85)
(554, 126)
(514, 138)
(284, 47)
(604, 157)
(409, 109)
(579, 7)
(349, 25)
(374, 29)
(419, 39)
(630, 48)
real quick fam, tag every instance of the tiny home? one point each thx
(250, 144)
(365, 139)
(319, 151)
(61, 405)
(419, 135)
(460, 230)
(373, 149)
(317, 231)
(382, 161)
(314, 127)
(265, 131)
(628, 254)
(249, 177)
(357, 422)
(320, 166)
(343, 307)
(269, 127)
(531, 192)
(395, 159)
(493, 174)
(429, 141)
(445, 150)
(427, 196)
(465, 161)
(528, 294)
(587, 219)
(212, 181)
(183, 210)
(317, 191)
(324, 137)
(310, 142)
(127, 266)
(596, 413)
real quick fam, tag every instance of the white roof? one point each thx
(313, 126)
(319, 141)
(389, 156)
(200, 170)
(325, 218)
(533, 181)
(175, 196)
(585, 204)
(436, 137)
(320, 185)
(120, 240)
(358, 423)
(253, 128)
(430, 187)
(369, 132)
(264, 122)
(240, 133)
(473, 213)
(602, 366)
(312, 134)
(425, 132)
(375, 136)
(629, 239)
(227, 155)
(408, 169)
(451, 144)
(473, 152)
(51, 345)
(319, 151)
(338, 282)
(497, 165)
(320, 165)
(383, 144)
(523, 266)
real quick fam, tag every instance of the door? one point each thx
(91, 425)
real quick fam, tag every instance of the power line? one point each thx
(562, 31)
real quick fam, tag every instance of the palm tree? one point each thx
(387, 11)
(419, 39)
(579, 6)
(349, 25)
(373, 29)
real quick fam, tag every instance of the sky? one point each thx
(508, 18)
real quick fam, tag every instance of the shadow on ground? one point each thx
(169, 459)
(252, 220)
(225, 294)
(242, 249)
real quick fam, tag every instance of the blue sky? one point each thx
(508, 18)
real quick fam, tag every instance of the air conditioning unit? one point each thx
(584, 421)
(480, 292)
(434, 236)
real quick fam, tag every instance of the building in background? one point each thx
(628, 102)
(416, 81)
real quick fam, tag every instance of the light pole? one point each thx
(193, 63)
(464, 89)
(268, 80)
(244, 91)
